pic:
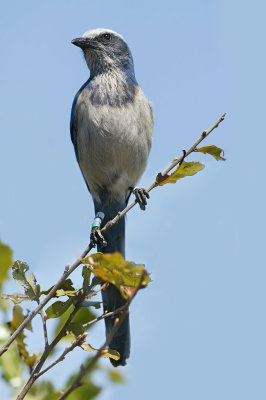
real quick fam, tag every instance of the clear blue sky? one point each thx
(198, 331)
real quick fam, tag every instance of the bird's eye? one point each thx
(107, 36)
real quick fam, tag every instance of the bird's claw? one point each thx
(141, 197)
(96, 238)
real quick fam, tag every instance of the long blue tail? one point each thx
(112, 298)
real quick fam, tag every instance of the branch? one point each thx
(108, 225)
(67, 350)
(173, 164)
(117, 324)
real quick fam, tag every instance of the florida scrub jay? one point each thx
(111, 130)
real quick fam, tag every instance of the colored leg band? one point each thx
(98, 220)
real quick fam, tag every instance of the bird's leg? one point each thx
(141, 195)
(96, 238)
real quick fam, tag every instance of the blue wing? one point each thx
(73, 132)
(73, 128)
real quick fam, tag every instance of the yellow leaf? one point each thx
(5, 261)
(107, 353)
(18, 318)
(213, 151)
(115, 269)
(115, 376)
(70, 293)
(183, 170)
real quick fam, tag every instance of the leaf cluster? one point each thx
(72, 308)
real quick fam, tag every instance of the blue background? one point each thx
(198, 331)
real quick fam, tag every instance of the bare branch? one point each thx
(67, 350)
(105, 315)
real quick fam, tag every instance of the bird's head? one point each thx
(105, 50)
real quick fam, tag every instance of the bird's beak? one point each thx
(84, 43)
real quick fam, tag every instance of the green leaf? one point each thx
(86, 273)
(44, 390)
(58, 308)
(19, 269)
(183, 170)
(213, 151)
(107, 353)
(115, 269)
(96, 281)
(85, 392)
(29, 284)
(75, 328)
(5, 262)
(11, 364)
(83, 315)
(17, 320)
(34, 289)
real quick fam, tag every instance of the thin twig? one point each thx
(67, 350)
(117, 324)
(46, 343)
(105, 315)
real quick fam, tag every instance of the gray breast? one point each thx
(112, 90)
(113, 141)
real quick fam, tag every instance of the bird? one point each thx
(111, 129)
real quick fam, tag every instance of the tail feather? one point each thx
(112, 299)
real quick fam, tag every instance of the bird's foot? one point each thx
(141, 197)
(97, 238)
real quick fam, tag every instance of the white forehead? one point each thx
(99, 31)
